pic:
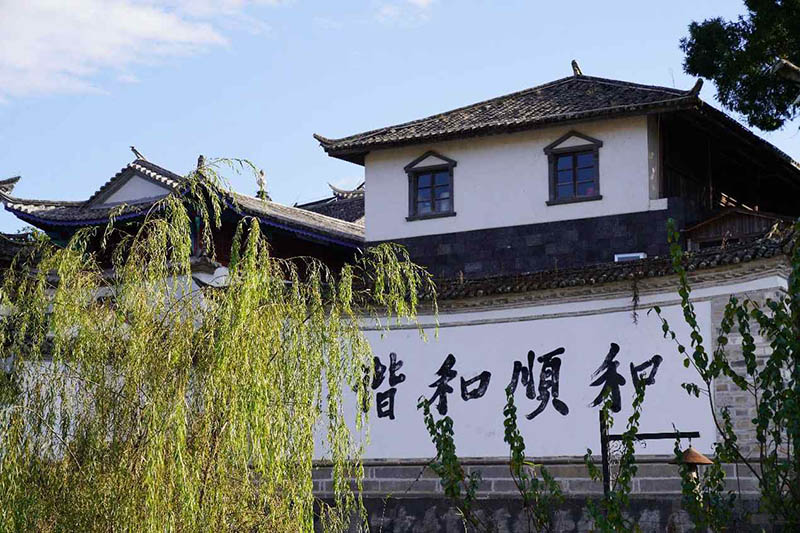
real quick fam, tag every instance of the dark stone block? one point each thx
(444, 249)
(537, 247)
(534, 239)
(570, 235)
(505, 513)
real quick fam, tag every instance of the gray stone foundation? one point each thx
(405, 495)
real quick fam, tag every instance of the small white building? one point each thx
(543, 215)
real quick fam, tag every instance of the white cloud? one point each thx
(209, 8)
(404, 12)
(388, 12)
(54, 46)
(127, 77)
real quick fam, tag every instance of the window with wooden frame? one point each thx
(574, 170)
(430, 187)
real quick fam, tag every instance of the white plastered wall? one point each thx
(493, 338)
(135, 189)
(502, 180)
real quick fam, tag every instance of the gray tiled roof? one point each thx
(7, 185)
(64, 213)
(349, 209)
(58, 211)
(572, 98)
(301, 219)
(83, 212)
(343, 204)
(774, 243)
(161, 175)
(11, 244)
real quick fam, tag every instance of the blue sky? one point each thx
(82, 80)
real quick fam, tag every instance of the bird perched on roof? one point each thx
(137, 153)
(576, 69)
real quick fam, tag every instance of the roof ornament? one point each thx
(343, 194)
(262, 193)
(576, 70)
(7, 185)
(694, 91)
(137, 153)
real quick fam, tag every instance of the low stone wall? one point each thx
(406, 495)
(435, 514)
(402, 478)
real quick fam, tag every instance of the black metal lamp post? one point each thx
(606, 437)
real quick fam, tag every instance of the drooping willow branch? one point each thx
(136, 400)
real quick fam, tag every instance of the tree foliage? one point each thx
(609, 513)
(134, 401)
(705, 496)
(771, 379)
(738, 55)
(540, 492)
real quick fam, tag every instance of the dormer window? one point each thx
(430, 186)
(573, 169)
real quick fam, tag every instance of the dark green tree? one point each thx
(738, 57)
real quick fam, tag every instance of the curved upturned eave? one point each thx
(353, 241)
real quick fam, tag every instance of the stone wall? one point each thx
(552, 245)
(406, 495)
(740, 403)
(403, 478)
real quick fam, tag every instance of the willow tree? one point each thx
(132, 400)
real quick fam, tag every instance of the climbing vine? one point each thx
(541, 494)
(771, 378)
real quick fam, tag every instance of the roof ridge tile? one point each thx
(562, 99)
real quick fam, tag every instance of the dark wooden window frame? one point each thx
(553, 151)
(413, 172)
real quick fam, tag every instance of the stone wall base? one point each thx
(406, 496)
(435, 514)
(656, 476)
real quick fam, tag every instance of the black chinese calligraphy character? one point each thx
(549, 377)
(637, 375)
(446, 374)
(483, 382)
(378, 373)
(395, 377)
(385, 403)
(524, 374)
(385, 399)
(610, 379)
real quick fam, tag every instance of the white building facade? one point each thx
(543, 216)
